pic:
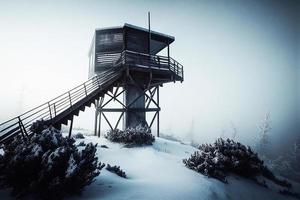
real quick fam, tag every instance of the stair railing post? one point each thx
(97, 79)
(70, 98)
(22, 128)
(158, 62)
(54, 110)
(85, 89)
(50, 111)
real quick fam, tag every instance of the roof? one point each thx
(167, 38)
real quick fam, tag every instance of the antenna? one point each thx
(149, 40)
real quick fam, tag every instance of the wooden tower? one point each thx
(134, 49)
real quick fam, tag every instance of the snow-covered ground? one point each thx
(157, 172)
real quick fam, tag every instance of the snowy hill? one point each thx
(157, 172)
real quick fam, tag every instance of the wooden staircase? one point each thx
(63, 108)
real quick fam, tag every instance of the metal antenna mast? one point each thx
(149, 40)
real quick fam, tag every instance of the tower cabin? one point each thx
(134, 49)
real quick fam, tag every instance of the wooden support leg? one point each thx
(157, 95)
(100, 113)
(99, 126)
(71, 127)
(158, 124)
(96, 117)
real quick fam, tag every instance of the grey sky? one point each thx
(241, 59)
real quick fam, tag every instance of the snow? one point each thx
(157, 172)
(37, 149)
(72, 166)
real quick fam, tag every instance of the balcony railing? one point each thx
(135, 59)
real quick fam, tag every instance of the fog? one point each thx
(241, 60)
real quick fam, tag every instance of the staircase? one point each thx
(61, 109)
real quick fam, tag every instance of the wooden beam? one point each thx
(152, 95)
(115, 98)
(71, 127)
(107, 121)
(119, 120)
(157, 111)
(99, 125)
(99, 113)
(96, 117)
(153, 119)
(112, 98)
(144, 92)
(130, 109)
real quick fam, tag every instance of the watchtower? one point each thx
(135, 50)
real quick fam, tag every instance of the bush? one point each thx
(47, 166)
(288, 163)
(226, 156)
(38, 126)
(131, 136)
(78, 136)
(116, 170)
(81, 144)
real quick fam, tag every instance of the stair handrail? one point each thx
(55, 106)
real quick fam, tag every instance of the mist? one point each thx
(241, 60)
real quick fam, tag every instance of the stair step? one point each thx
(82, 108)
(57, 126)
(77, 112)
(65, 122)
(88, 104)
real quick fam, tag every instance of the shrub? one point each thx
(47, 166)
(131, 136)
(116, 170)
(81, 144)
(288, 164)
(226, 156)
(78, 136)
(38, 126)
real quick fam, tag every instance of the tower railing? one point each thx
(131, 58)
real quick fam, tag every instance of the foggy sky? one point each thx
(241, 60)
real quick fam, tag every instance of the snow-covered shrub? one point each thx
(47, 166)
(288, 164)
(81, 144)
(116, 170)
(131, 136)
(38, 126)
(227, 156)
(78, 136)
